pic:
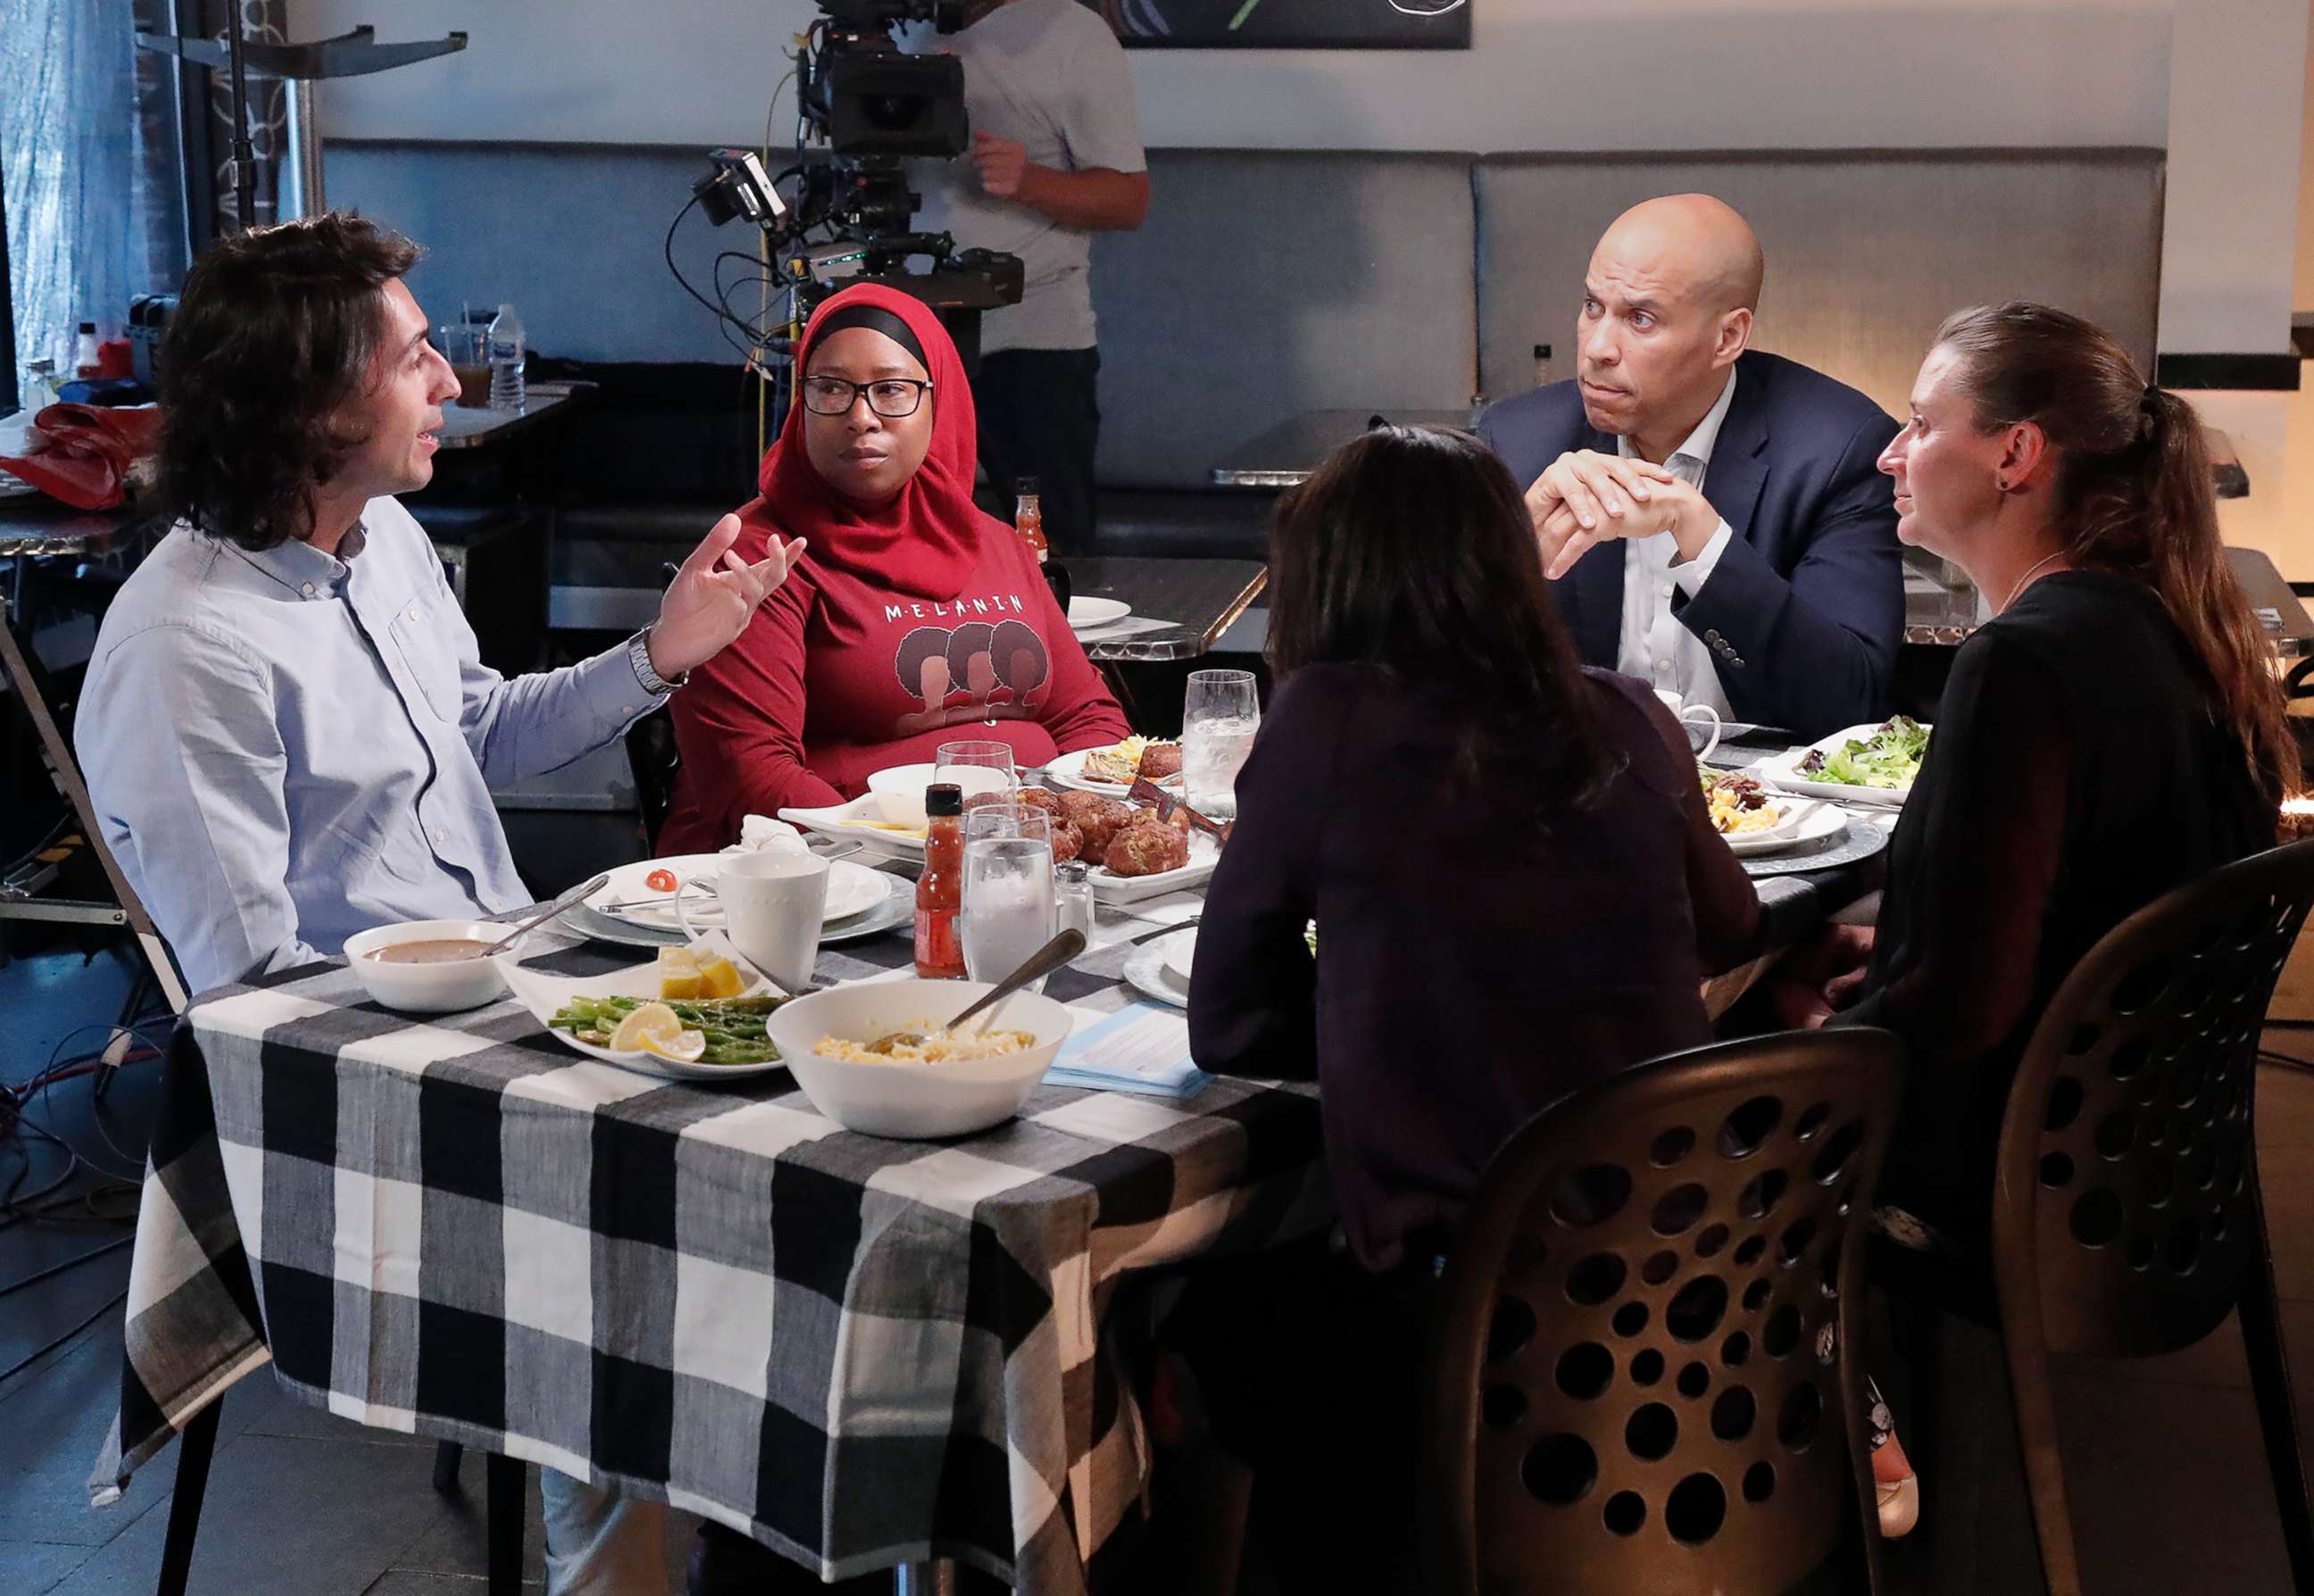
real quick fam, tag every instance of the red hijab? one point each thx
(927, 541)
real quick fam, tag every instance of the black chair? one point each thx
(2126, 1218)
(503, 1481)
(651, 756)
(1644, 1377)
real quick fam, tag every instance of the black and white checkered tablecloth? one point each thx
(860, 1351)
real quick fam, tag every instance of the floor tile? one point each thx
(2169, 1489)
(35, 1567)
(403, 1582)
(283, 1515)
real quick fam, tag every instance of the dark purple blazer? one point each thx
(1476, 962)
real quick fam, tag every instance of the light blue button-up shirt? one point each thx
(285, 748)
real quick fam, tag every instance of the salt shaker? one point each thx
(1072, 890)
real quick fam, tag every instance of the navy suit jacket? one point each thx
(1804, 610)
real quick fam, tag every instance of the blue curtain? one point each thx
(92, 214)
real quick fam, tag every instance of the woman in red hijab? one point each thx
(912, 620)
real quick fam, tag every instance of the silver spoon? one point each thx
(582, 890)
(1051, 956)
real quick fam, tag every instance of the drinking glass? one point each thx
(467, 349)
(963, 763)
(1219, 717)
(1009, 910)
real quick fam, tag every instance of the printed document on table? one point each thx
(1140, 1048)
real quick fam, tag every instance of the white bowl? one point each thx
(426, 989)
(914, 1101)
(899, 792)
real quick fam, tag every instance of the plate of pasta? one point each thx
(1755, 818)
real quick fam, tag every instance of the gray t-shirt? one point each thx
(1051, 75)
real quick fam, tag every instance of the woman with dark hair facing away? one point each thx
(2111, 733)
(878, 648)
(1518, 891)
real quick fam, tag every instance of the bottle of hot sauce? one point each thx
(940, 891)
(1028, 521)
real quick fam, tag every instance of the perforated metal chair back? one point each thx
(2126, 1218)
(2126, 1185)
(1644, 1378)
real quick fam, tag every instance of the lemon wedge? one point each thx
(652, 1020)
(685, 1047)
(679, 973)
(720, 978)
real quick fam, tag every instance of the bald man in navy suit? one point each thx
(1710, 516)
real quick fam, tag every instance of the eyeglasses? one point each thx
(892, 397)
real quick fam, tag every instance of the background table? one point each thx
(1285, 455)
(1199, 599)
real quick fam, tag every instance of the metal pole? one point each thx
(245, 153)
(303, 177)
(936, 1577)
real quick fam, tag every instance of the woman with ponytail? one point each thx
(2114, 731)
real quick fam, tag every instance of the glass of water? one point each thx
(1009, 910)
(1219, 717)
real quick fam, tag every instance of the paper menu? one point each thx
(1140, 1048)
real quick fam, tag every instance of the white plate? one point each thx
(655, 911)
(898, 909)
(860, 821)
(1781, 770)
(852, 889)
(1813, 824)
(1085, 613)
(543, 995)
(1146, 973)
(1068, 769)
(1108, 888)
(1180, 955)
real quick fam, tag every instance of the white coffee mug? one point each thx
(1683, 710)
(773, 904)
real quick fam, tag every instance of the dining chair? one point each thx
(1645, 1378)
(2126, 1218)
(651, 757)
(504, 1483)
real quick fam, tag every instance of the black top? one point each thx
(2078, 771)
(1476, 962)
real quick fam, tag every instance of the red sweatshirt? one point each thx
(837, 677)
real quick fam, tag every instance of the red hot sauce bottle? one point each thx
(940, 891)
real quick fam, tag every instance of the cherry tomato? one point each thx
(660, 881)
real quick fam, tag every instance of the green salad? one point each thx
(1889, 758)
(733, 1026)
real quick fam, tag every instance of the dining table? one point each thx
(865, 1354)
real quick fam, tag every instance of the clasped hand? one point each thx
(1586, 499)
(713, 598)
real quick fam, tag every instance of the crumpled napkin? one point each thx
(82, 454)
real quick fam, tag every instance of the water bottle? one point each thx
(506, 360)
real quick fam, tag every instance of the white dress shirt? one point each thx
(1656, 647)
(286, 747)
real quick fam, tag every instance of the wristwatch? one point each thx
(639, 656)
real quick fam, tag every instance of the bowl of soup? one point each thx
(428, 966)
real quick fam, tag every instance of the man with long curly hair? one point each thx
(287, 735)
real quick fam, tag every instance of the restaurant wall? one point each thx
(1543, 75)
(2303, 300)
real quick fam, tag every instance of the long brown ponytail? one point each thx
(2133, 494)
